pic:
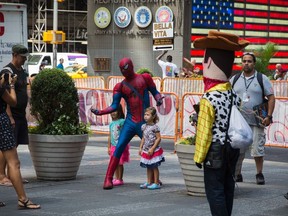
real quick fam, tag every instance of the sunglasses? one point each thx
(251, 54)
(248, 53)
(248, 61)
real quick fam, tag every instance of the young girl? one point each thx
(115, 128)
(150, 151)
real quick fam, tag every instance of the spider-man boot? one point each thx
(110, 172)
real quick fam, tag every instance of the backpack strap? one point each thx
(260, 81)
(237, 76)
(9, 69)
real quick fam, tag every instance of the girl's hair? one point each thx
(120, 113)
(152, 110)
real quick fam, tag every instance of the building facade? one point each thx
(130, 28)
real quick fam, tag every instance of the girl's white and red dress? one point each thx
(149, 135)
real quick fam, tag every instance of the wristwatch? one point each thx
(269, 116)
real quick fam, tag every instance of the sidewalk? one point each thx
(85, 196)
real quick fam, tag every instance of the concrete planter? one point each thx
(57, 157)
(193, 176)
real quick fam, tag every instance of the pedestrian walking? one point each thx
(60, 65)
(253, 88)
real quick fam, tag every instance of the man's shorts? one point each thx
(259, 139)
(21, 131)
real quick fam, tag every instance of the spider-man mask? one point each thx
(127, 68)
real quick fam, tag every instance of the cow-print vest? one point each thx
(220, 100)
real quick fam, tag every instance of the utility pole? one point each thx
(55, 27)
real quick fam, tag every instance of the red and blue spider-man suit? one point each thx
(137, 100)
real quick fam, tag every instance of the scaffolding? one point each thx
(71, 21)
(39, 22)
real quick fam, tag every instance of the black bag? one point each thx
(261, 112)
(215, 156)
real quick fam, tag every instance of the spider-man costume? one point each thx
(135, 91)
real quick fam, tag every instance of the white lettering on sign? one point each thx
(163, 30)
(81, 34)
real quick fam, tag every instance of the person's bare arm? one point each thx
(10, 98)
(161, 55)
(141, 146)
(109, 144)
(271, 104)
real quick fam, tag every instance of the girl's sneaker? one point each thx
(154, 186)
(144, 186)
(117, 182)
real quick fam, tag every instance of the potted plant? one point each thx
(58, 141)
(193, 176)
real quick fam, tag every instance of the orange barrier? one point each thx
(180, 86)
(171, 114)
(276, 133)
(97, 82)
(113, 80)
(280, 88)
(102, 98)
(187, 102)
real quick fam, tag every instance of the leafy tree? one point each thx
(263, 57)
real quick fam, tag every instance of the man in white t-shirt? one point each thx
(169, 69)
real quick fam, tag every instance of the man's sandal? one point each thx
(2, 204)
(27, 205)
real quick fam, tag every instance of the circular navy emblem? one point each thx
(122, 17)
(164, 14)
(102, 17)
(143, 17)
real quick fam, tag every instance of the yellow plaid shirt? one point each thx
(205, 122)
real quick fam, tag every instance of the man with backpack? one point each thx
(253, 88)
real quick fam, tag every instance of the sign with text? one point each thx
(163, 36)
(102, 64)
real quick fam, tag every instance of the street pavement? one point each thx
(85, 196)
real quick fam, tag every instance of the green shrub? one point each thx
(54, 104)
(190, 140)
(264, 55)
(145, 70)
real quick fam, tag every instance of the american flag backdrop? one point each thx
(258, 21)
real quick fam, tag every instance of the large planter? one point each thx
(57, 157)
(193, 176)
